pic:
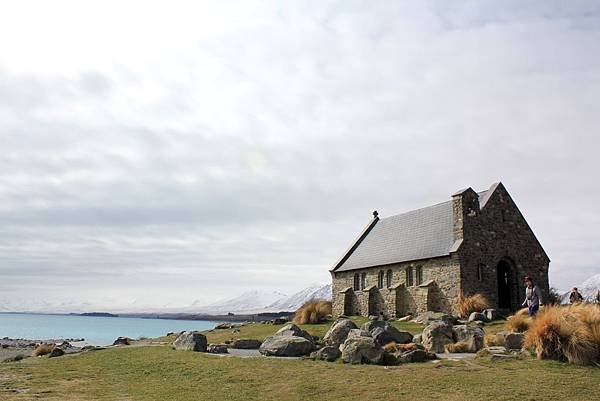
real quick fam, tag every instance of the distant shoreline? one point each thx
(258, 317)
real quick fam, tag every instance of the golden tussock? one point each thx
(313, 312)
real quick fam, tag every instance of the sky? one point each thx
(165, 153)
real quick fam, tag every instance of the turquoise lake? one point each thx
(95, 330)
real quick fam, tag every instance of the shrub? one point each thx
(312, 312)
(43, 349)
(570, 333)
(519, 322)
(393, 347)
(469, 304)
(458, 347)
(553, 297)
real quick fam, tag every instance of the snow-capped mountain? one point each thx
(295, 301)
(588, 289)
(249, 301)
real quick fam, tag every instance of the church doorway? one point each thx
(505, 285)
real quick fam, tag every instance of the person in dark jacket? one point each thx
(575, 296)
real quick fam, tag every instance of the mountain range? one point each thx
(588, 289)
(253, 301)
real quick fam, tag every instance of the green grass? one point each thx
(159, 373)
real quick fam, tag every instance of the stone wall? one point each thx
(401, 298)
(496, 232)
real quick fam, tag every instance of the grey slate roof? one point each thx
(420, 234)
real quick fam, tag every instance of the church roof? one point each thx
(419, 234)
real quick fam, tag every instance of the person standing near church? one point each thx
(533, 296)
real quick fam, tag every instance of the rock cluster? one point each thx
(190, 341)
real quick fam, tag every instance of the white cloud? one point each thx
(191, 149)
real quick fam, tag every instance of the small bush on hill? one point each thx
(312, 312)
(393, 347)
(492, 340)
(570, 333)
(43, 349)
(469, 304)
(15, 358)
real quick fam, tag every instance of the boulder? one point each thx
(328, 353)
(245, 343)
(436, 336)
(471, 336)
(217, 349)
(338, 332)
(223, 326)
(280, 320)
(406, 318)
(361, 349)
(122, 341)
(291, 329)
(477, 316)
(514, 340)
(489, 351)
(286, 345)
(358, 333)
(428, 317)
(190, 341)
(56, 352)
(385, 333)
(491, 314)
(416, 355)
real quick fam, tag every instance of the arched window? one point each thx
(356, 282)
(380, 279)
(409, 277)
(419, 270)
(388, 278)
(363, 281)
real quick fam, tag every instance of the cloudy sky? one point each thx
(167, 152)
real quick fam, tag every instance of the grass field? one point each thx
(159, 373)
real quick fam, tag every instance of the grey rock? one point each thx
(514, 340)
(246, 343)
(429, 317)
(385, 333)
(361, 349)
(122, 341)
(338, 332)
(286, 345)
(436, 336)
(217, 349)
(56, 352)
(328, 353)
(416, 355)
(190, 341)
(477, 316)
(358, 333)
(472, 336)
(406, 318)
(291, 329)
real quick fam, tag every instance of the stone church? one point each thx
(477, 242)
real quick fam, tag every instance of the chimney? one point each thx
(465, 209)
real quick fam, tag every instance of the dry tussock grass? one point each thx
(43, 349)
(519, 322)
(392, 347)
(570, 333)
(492, 340)
(469, 304)
(312, 312)
(458, 347)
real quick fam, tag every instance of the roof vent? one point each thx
(375, 214)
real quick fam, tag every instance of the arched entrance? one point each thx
(505, 285)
